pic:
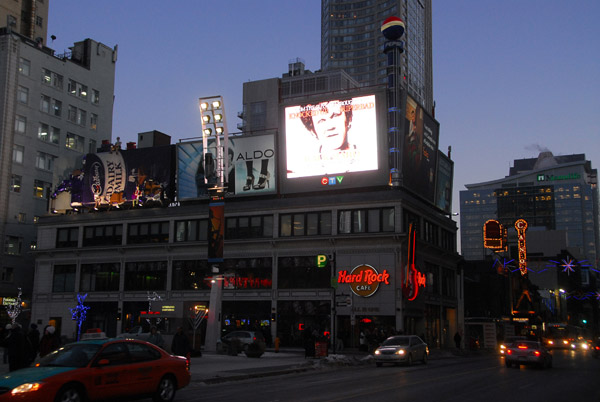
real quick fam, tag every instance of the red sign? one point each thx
(364, 280)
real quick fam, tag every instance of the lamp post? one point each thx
(214, 127)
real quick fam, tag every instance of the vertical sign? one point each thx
(216, 229)
(521, 226)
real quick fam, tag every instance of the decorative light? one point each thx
(14, 309)
(79, 312)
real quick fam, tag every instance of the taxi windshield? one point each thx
(73, 355)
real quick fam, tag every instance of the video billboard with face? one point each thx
(419, 157)
(333, 142)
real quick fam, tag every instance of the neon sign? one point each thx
(364, 280)
(413, 278)
(521, 226)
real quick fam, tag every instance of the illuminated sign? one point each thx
(521, 226)
(551, 177)
(238, 282)
(412, 278)
(8, 301)
(149, 312)
(168, 309)
(364, 280)
(494, 235)
(322, 261)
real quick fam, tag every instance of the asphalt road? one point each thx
(574, 377)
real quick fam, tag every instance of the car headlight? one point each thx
(377, 352)
(28, 387)
(400, 352)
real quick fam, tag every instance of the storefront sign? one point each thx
(364, 280)
(521, 226)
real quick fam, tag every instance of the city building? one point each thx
(26, 17)
(55, 109)
(551, 266)
(351, 40)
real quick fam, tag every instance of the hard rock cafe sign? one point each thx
(364, 280)
(412, 277)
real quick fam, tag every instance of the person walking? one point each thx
(457, 339)
(19, 350)
(181, 344)
(156, 338)
(34, 340)
(49, 341)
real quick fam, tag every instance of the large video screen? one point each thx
(445, 174)
(419, 158)
(332, 140)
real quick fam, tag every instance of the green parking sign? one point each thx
(322, 260)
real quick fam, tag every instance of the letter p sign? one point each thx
(321, 261)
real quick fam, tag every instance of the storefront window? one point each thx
(191, 275)
(302, 273)
(63, 279)
(100, 277)
(248, 273)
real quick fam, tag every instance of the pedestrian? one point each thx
(34, 339)
(457, 339)
(362, 340)
(156, 338)
(181, 344)
(19, 350)
(49, 341)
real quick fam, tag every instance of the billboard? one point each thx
(444, 182)
(251, 167)
(334, 142)
(419, 157)
(138, 176)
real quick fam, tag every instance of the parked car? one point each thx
(527, 353)
(507, 341)
(401, 349)
(101, 369)
(242, 338)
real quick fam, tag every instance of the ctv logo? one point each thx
(332, 181)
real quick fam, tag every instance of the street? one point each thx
(485, 377)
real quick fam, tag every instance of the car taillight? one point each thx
(522, 346)
(537, 353)
(509, 352)
(597, 347)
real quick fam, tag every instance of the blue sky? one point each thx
(511, 77)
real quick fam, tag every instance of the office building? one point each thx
(26, 17)
(351, 41)
(54, 109)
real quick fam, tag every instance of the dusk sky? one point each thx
(511, 77)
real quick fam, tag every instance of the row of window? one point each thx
(353, 221)
(56, 80)
(41, 189)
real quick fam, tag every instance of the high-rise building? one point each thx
(552, 193)
(54, 108)
(351, 40)
(26, 17)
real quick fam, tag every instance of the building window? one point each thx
(15, 183)
(67, 237)
(39, 21)
(258, 115)
(48, 134)
(305, 224)
(51, 78)
(7, 274)
(191, 230)
(63, 279)
(41, 189)
(247, 273)
(18, 152)
(92, 146)
(106, 235)
(45, 103)
(100, 277)
(56, 107)
(24, 66)
(249, 227)
(44, 161)
(21, 217)
(72, 114)
(81, 118)
(190, 275)
(431, 233)
(12, 245)
(95, 96)
(75, 142)
(374, 220)
(77, 89)
(23, 95)
(20, 124)
(148, 275)
(93, 121)
(301, 273)
(148, 232)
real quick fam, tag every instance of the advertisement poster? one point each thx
(419, 159)
(251, 167)
(443, 192)
(141, 176)
(331, 137)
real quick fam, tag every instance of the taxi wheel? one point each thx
(166, 390)
(70, 393)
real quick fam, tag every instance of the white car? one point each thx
(401, 349)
